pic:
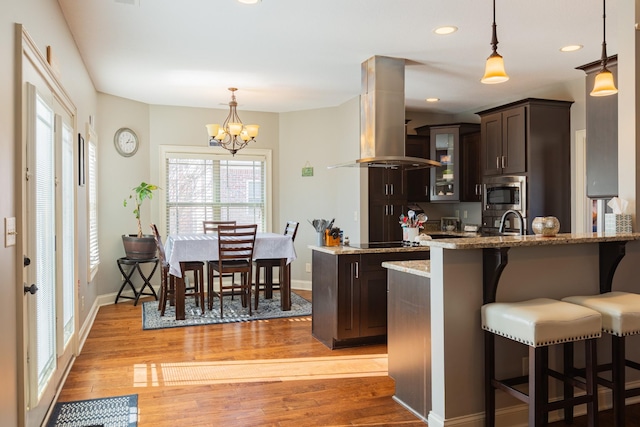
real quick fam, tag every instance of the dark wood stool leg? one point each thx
(489, 375)
(538, 386)
(591, 377)
(568, 357)
(618, 377)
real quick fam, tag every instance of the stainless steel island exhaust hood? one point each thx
(382, 125)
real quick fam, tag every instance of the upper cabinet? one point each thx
(532, 138)
(453, 146)
(602, 135)
(504, 142)
(417, 179)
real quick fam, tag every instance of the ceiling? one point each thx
(290, 55)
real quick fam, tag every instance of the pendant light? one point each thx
(604, 84)
(494, 69)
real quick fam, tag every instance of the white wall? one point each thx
(46, 27)
(321, 137)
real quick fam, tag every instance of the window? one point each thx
(204, 185)
(92, 180)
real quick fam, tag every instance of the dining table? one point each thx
(181, 248)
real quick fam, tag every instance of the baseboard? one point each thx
(302, 285)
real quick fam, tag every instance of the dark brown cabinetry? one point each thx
(532, 138)
(471, 184)
(455, 146)
(387, 200)
(602, 135)
(409, 340)
(349, 296)
(417, 179)
(504, 142)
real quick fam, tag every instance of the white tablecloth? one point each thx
(204, 247)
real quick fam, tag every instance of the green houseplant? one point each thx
(140, 246)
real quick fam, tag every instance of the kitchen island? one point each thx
(464, 274)
(349, 292)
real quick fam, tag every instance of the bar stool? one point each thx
(620, 318)
(540, 323)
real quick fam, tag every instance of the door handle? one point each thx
(30, 289)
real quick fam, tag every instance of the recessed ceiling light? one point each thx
(571, 48)
(444, 30)
(250, 1)
(432, 99)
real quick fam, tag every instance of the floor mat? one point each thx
(118, 411)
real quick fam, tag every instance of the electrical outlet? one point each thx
(82, 302)
(307, 267)
(525, 366)
(464, 214)
(355, 216)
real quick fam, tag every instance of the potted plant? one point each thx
(140, 246)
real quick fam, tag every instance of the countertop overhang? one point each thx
(530, 240)
(345, 250)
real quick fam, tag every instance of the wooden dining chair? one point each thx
(291, 229)
(212, 227)
(167, 281)
(235, 255)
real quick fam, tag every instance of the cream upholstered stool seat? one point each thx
(540, 323)
(620, 318)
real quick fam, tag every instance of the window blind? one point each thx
(213, 187)
(92, 183)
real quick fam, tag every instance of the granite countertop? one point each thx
(418, 267)
(477, 242)
(345, 250)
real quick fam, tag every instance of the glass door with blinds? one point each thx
(50, 246)
(201, 186)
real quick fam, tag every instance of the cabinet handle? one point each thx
(391, 188)
(356, 270)
(426, 190)
(504, 162)
(497, 162)
(392, 209)
(386, 210)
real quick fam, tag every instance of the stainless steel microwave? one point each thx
(501, 193)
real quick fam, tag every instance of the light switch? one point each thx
(10, 232)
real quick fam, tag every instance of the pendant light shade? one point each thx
(604, 84)
(494, 71)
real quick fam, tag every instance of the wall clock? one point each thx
(126, 142)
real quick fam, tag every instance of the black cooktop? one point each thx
(382, 245)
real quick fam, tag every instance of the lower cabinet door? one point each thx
(348, 325)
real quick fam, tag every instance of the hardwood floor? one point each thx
(261, 373)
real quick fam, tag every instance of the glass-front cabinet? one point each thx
(445, 179)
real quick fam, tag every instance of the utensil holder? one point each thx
(409, 234)
(320, 241)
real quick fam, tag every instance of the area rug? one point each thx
(233, 312)
(117, 411)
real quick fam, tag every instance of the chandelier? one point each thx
(232, 135)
